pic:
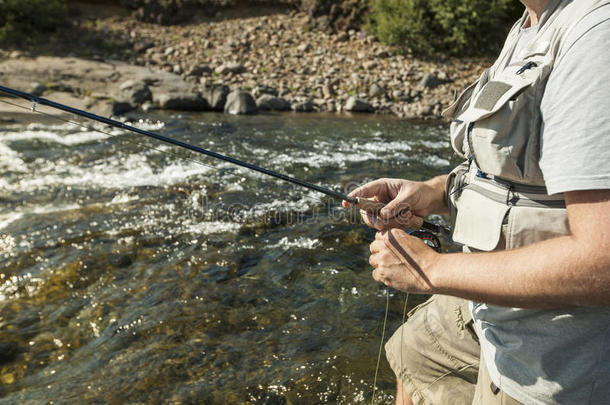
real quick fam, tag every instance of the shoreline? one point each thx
(241, 65)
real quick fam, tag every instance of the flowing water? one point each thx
(131, 273)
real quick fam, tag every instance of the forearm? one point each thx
(565, 271)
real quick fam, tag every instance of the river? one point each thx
(134, 272)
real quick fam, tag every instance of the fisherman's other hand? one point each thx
(404, 199)
(402, 261)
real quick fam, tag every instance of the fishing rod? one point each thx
(361, 203)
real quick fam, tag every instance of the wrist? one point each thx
(438, 274)
(436, 193)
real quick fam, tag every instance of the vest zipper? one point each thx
(527, 66)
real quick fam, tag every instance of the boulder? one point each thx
(354, 104)
(135, 92)
(342, 37)
(263, 89)
(216, 95)
(142, 45)
(230, 67)
(199, 70)
(381, 53)
(267, 102)
(328, 91)
(182, 102)
(305, 47)
(240, 102)
(119, 108)
(369, 64)
(303, 106)
(430, 81)
(376, 91)
(425, 110)
(37, 89)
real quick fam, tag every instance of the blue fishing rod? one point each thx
(361, 203)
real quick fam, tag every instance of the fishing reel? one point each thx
(428, 237)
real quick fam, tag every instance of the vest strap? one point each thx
(515, 195)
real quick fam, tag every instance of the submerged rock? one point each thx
(240, 102)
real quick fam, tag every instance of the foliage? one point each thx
(23, 18)
(453, 27)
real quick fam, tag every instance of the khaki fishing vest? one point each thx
(498, 197)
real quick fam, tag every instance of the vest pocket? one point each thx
(463, 100)
(503, 124)
(479, 220)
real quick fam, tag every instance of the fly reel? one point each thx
(428, 237)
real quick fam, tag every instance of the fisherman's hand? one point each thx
(402, 261)
(404, 199)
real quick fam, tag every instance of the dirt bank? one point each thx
(275, 57)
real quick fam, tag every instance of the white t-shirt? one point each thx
(575, 110)
(562, 356)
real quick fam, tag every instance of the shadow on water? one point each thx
(131, 275)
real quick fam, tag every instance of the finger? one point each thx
(376, 246)
(376, 275)
(371, 189)
(373, 261)
(379, 276)
(370, 219)
(381, 235)
(400, 243)
(395, 207)
(404, 220)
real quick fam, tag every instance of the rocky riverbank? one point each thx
(242, 65)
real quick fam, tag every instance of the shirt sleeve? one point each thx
(575, 141)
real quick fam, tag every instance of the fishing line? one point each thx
(110, 135)
(380, 352)
(402, 330)
(385, 319)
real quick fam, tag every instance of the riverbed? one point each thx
(135, 272)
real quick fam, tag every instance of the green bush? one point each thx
(452, 27)
(20, 19)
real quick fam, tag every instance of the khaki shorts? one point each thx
(436, 355)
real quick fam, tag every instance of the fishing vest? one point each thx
(498, 196)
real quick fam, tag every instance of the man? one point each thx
(532, 208)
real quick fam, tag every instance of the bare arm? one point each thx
(565, 271)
